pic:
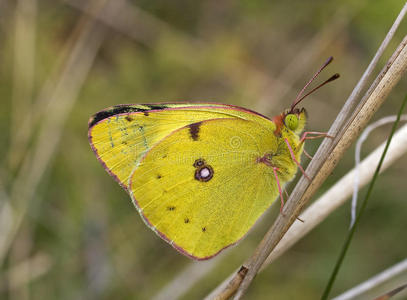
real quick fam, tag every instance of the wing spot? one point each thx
(186, 220)
(203, 172)
(156, 106)
(203, 229)
(171, 208)
(129, 119)
(199, 162)
(146, 113)
(159, 176)
(194, 130)
(122, 109)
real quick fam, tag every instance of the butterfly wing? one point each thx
(202, 187)
(122, 134)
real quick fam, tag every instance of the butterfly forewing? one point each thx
(122, 134)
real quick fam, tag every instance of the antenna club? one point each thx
(333, 77)
(329, 60)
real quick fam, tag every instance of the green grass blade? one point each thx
(362, 208)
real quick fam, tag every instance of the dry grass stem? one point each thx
(364, 288)
(135, 23)
(26, 271)
(186, 279)
(23, 77)
(393, 292)
(25, 20)
(61, 100)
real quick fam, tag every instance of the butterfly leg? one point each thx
(295, 160)
(307, 154)
(275, 169)
(317, 136)
(266, 160)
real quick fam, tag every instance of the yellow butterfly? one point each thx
(199, 174)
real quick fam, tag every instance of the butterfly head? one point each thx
(292, 119)
(295, 120)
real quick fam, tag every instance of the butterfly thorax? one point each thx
(287, 132)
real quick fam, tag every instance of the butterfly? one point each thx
(200, 174)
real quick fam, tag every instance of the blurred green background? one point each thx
(68, 231)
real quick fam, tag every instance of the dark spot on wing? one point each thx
(159, 176)
(194, 130)
(122, 109)
(171, 208)
(203, 171)
(146, 113)
(129, 119)
(156, 106)
(98, 117)
(203, 229)
(186, 220)
(199, 162)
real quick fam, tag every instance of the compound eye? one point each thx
(291, 121)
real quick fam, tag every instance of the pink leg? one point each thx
(279, 189)
(307, 154)
(318, 135)
(295, 160)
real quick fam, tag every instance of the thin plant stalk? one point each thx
(68, 83)
(362, 209)
(366, 287)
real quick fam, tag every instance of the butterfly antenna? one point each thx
(300, 97)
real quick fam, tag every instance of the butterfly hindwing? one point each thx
(202, 187)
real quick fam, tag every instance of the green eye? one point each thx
(291, 121)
